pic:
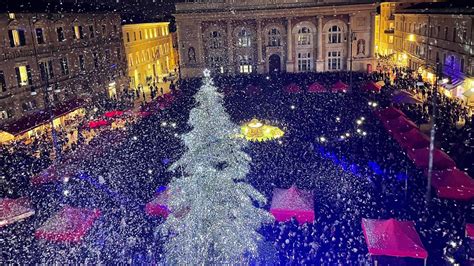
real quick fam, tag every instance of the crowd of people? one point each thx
(352, 175)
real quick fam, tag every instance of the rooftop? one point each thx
(450, 8)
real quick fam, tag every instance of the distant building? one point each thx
(79, 57)
(264, 36)
(426, 32)
(150, 53)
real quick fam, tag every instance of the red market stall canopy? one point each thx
(316, 88)
(400, 124)
(453, 184)
(39, 118)
(401, 96)
(470, 231)
(393, 238)
(292, 202)
(372, 86)
(413, 139)
(14, 210)
(390, 113)
(339, 87)
(441, 160)
(112, 114)
(98, 123)
(159, 205)
(69, 225)
(292, 88)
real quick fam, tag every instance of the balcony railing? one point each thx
(389, 31)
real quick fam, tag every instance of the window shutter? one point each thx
(10, 36)
(18, 77)
(21, 34)
(28, 71)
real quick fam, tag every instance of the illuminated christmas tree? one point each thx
(214, 219)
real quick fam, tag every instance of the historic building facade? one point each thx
(230, 36)
(429, 31)
(150, 52)
(67, 56)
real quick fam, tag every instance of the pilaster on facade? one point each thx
(230, 47)
(289, 45)
(320, 59)
(260, 62)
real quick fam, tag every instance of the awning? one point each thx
(31, 121)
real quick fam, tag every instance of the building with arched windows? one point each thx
(266, 36)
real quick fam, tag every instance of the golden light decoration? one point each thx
(255, 130)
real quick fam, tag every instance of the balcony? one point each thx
(389, 31)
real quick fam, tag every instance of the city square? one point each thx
(260, 133)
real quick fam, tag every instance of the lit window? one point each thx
(146, 34)
(245, 64)
(304, 36)
(244, 38)
(23, 75)
(11, 15)
(17, 37)
(335, 34)
(390, 39)
(78, 33)
(156, 32)
(130, 59)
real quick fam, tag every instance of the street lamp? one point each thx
(433, 130)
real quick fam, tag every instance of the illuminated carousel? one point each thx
(255, 130)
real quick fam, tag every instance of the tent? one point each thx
(14, 210)
(401, 96)
(390, 113)
(413, 139)
(339, 87)
(452, 184)
(400, 124)
(470, 231)
(372, 86)
(441, 160)
(316, 88)
(112, 114)
(292, 88)
(393, 238)
(158, 206)
(69, 225)
(292, 202)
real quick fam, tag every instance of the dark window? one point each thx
(461, 65)
(454, 34)
(128, 37)
(60, 32)
(115, 29)
(104, 30)
(3, 85)
(46, 70)
(64, 66)
(119, 54)
(445, 33)
(140, 35)
(39, 36)
(91, 32)
(96, 60)
(134, 36)
(82, 63)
